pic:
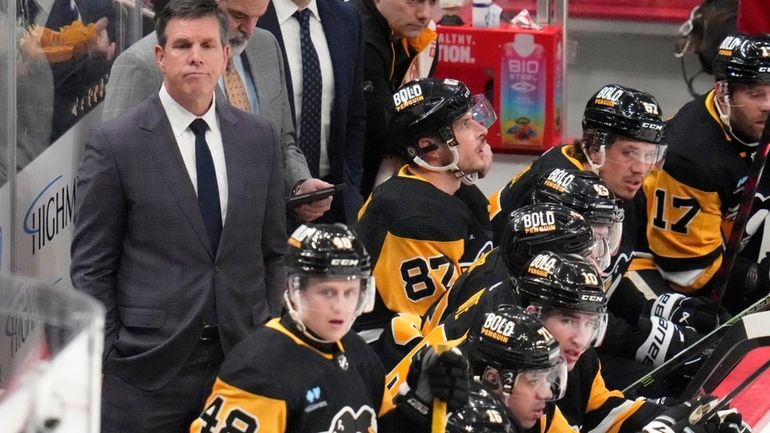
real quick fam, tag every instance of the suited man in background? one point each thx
(257, 60)
(179, 230)
(337, 38)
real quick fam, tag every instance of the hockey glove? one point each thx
(731, 421)
(657, 340)
(444, 376)
(695, 311)
(687, 417)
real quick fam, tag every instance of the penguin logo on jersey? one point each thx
(348, 421)
(342, 361)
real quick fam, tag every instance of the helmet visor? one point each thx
(606, 243)
(585, 329)
(649, 154)
(482, 111)
(546, 384)
(351, 293)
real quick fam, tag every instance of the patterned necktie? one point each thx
(234, 88)
(208, 190)
(310, 122)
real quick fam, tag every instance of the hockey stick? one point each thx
(732, 248)
(667, 367)
(439, 407)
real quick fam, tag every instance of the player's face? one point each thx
(407, 18)
(474, 153)
(750, 104)
(528, 398)
(329, 306)
(574, 331)
(626, 163)
(192, 61)
(242, 19)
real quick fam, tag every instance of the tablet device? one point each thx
(299, 199)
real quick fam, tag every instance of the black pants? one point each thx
(172, 408)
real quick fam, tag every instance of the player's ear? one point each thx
(722, 93)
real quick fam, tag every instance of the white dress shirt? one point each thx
(180, 120)
(284, 9)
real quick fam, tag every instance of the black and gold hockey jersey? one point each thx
(692, 201)
(518, 193)
(587, 406)
(276, 381)
(485, 272)
(420, 240)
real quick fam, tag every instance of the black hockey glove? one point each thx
(697, 312)
(444, 376)
(731, 421)
(695, 416)
(657, 340)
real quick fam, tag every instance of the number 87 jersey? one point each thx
(420, 240)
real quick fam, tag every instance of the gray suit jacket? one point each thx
(135, 76)
(140, 245)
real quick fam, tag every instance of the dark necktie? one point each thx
(310, 122)
(208, 191)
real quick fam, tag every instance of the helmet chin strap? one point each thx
(725, 118)
(467, 179)
(296, 317)
(596, 167)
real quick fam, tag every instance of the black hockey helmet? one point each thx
(564, 282)
(328, 252)
(326, 249)
(512, 341)
(587, 194)
(622, 111)
(743, 59)
(543, 226)
(582, 191)
(484, 413)
(427, 108)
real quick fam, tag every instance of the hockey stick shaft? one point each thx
(732, 248)
(438, 424)
(700, 345)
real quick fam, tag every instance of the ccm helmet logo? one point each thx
(654, 126)
(592, 298)
(764, 69)
(344, 262)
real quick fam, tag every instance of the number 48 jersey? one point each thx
(420, 240)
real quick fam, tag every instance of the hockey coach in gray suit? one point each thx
(179, 230)
(259, 62)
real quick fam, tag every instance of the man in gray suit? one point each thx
(179, 230)
(259, 61)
